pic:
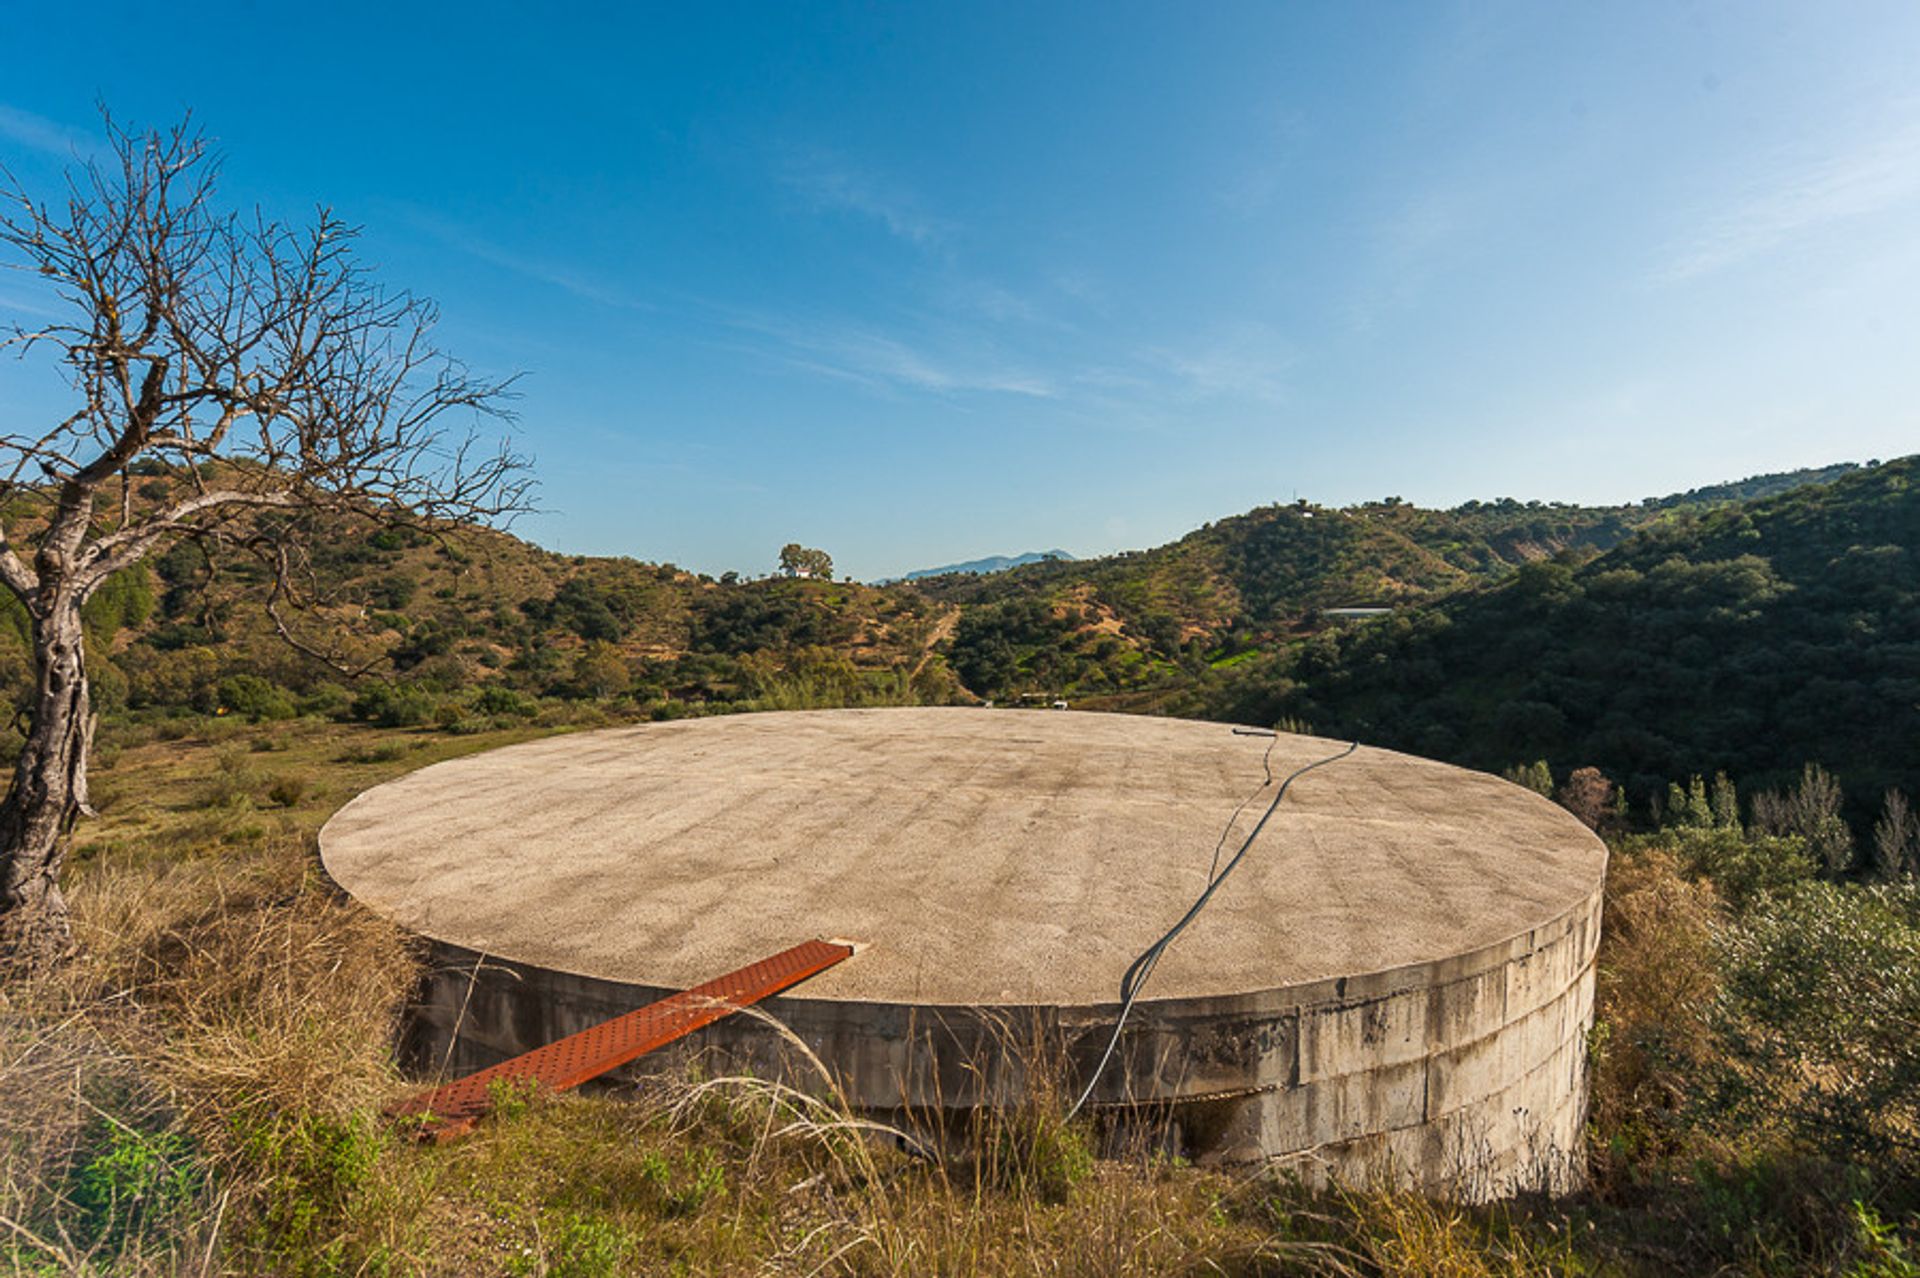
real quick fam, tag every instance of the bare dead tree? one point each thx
(271, 375)
(1896, 837)
(1588, 794)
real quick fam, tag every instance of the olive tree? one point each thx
(262, 369)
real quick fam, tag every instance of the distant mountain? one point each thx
(991, 564)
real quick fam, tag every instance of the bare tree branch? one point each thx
(258, 365)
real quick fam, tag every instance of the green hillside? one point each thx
(479, 629)
(1140, 623)
(1751, 637)
(1704, 633)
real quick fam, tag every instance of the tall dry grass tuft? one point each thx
(1002, 1188)
(219, 1043)
(252, 979)
(96, 1178)
(1388, 1231)
(1658, 975)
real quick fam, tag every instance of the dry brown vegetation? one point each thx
(198, 1094)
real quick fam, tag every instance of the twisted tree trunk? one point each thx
(262, 367)
(49, 790)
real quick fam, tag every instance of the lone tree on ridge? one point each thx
(269, 375)
(797, 560)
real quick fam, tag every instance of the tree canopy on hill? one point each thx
(1754, 638)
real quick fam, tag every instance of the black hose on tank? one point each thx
(1142, 967)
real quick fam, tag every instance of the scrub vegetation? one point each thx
(198, 1089)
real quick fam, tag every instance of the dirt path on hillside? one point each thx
(942, 631)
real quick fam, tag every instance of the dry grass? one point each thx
(1658, 976)
(197, 1095)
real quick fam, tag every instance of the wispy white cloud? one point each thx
(831, 183)
(1263, 168)
(849, 352)
(24, 128)
(1798, 196)
(1408, 244)
(571, 279)
(993, 302)
(1244, 362)
(1248, 363)
(43, 307)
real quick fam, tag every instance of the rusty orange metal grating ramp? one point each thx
(452, 1110)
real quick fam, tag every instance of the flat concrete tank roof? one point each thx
(987, 857)
(1021, 859)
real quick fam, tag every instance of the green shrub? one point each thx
(1030, 1149)
(383, 752)
(234, 783)
(497, 699)
(1820, 997)
(587, 1247)
(1535, 776)
(1881, 1253)
(1745, 868)
(123, 600)
(132, 1183)
(254, 698)
(470, 725)
(328, 700)
(395, 705)
(306, 1172)
(393, 591)
(287, 790)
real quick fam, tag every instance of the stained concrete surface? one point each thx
(985, 857)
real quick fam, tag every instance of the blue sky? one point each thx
(919, 283)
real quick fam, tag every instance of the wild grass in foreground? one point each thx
(198, 1094)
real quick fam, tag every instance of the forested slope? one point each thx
(1683, 634)
(1160, 618)
(1752, 637)
(479, 628)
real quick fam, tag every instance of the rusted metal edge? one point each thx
(449, 1111)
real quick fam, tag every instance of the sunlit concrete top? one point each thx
(985, 856)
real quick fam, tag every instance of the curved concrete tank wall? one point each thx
(1460, 1071)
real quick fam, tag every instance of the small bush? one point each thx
(328, 700)
(1822, 993)
(254, 698)
(305, 1172)
(132, 1183)
(384, 752)
(391, 705)
(471, 725)
(287, 790)
(1032, 1150)
(496, 699)
(587, 1247)
(234, 784)
(1744, 868)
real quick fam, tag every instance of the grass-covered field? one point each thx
(198, 1091)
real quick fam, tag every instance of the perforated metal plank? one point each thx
(452, 1110)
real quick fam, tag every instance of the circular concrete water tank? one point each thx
(1398, 977)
